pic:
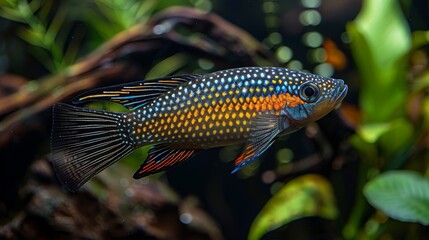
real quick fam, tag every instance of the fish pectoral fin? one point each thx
(161, 157)
(134, 95)
(264, 129)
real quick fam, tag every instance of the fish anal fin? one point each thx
(161, 157)
(136, 94)
(264, 129)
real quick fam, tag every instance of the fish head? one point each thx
(315, 97)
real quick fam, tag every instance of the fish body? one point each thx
(181, 115)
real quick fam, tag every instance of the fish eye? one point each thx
(309, 92)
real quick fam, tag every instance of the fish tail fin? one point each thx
(86, 141)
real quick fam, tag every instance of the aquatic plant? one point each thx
(366, 179)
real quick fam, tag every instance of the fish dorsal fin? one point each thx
(161, 157)
(134, 95)
(264, 129)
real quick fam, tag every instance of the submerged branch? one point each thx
(130, 55)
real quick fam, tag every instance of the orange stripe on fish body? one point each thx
(217, 114)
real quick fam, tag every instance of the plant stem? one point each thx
(350, 230)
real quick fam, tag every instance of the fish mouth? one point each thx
(339, 94)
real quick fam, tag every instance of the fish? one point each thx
(182, 115)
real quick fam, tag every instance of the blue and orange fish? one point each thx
(182, 115)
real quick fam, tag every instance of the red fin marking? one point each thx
(246, 154)
(162, 157)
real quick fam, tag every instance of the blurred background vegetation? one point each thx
(359, 173)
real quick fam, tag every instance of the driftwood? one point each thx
(131, 210)
(131, 54)
(25, 122)
(139, 210)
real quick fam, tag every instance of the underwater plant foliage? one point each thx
(359, 173)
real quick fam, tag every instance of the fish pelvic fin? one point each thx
(136, 94)
(264, 130)
(86, 141)
(162, 157)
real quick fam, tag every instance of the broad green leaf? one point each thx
(402, 195)
(380, 42)
(372, 132)
(391, 136)
(399, 136)
(168, 66)
(308, 195)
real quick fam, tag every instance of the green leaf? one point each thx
(168, 66)
(399, 136)
(308, 195)
(391, 135)
(402, 195)
(380, 43)
(372, 132)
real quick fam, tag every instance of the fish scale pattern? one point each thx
(217, 108)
